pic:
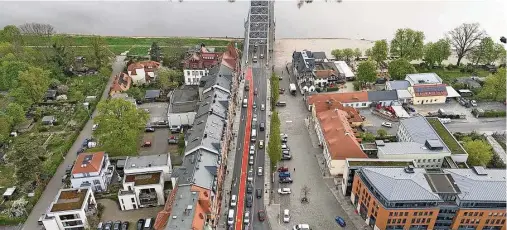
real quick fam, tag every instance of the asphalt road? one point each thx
(56, 182)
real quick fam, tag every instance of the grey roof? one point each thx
(152, 93)
(398, 84)
(184, 100)
(474, 187)
(215, 101)
(181, 217)
(319, 55)
(146, 161)
(303, 61)
(420, 130)
(471, 82)
(205, 133)
(48, 118)
(387, 95)
(442, 183)
(396, 185)
(198, 168)
(423, 78)
(399, 148)
(51, 93)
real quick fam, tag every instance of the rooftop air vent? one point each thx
(409, 169)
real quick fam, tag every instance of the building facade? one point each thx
(142, 72)
(70, 210)
(197, 64)
(93, 170)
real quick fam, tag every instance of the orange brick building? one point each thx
(411, 198)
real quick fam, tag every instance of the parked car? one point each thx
(259, 171)
(249, 188)
(286, 216)
(283, 174)
(261, 215)
(387, 124)
(286, 157)
(234, 200)
(263, 107)
(85, 143)
(250, 175)
(117, 225)
(283, 169)
(301, 227)
(262, 126)
(261, 144)
(125, 225)
(249, 200)
(149, 129)
(252, 149)
(108, 225)
(340, 221)
(284, 191)
(256, 91)
(285, 147)
(140, 224)
(285, 180)
(173, 140)
(285, 152)
(281, 104)
(94, 127)
(68, 169)
(146, 144)
(473, 103)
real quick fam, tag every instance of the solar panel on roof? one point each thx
(480, 170)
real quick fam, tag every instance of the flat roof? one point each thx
(401, 148)
(69, 199)
(452, 144)
(146, 161)
(442, 183)
(144, 178)
(181, 216)
(378, 162)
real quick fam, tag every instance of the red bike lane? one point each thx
(244, 159)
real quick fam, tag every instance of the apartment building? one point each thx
(70, 210)
(93, 170)
(143, 181)
(412, 198)
(197, 63)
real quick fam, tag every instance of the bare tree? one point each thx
(39, 29)
(464, 38)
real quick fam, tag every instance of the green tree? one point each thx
(479, 152)
(484, 53)
(436, 53)
(494, 87)
(496, 162)
(9, 73)
(16, 113)
(100, 52)
(348, 54)
(275, 94)
(11, 34)
(181, 144)
(464, 38)
(28, 169)
(357, 53)
(399, 68)
(76, 95)
(382, 133)
(501, 53)
(155, 52)
(366, 72)
(120, 125)
(338, 54)
(172, 58)
(367, 137)
(368, 52)
(274, 145)
(135, 92)
(63, 55)
(408, 44)
(379, 51)
(168, 78)
(5, 127)
(33, 84)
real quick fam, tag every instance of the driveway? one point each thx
(158, 142)
(113, 213)
(55, 183)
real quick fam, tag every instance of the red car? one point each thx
(147, 144)
(262, 215)
(283, 169)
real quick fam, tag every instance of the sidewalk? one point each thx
(497, 148)
(231, 157)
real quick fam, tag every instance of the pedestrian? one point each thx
(294, 169)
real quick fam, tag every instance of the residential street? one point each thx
(56, 182)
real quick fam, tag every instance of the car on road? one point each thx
(140, 224)
(250, 175)
(284, 191)
(286, 157)
(283, 169)
(262, 56)
(261, 215)
(261, 144)
(473, 103)
(249, 200)
(117, 225)
(255, 59)
(280, 77)
(234, 200)
(301, 227)
(286, 216)
(285, 180)
(125, 225)
(149, 129)
(387, 124)
(108, 225)
(258, 192)
(255, 105)
(251, 160)
(262, 126)
(252, 149)
(255, 91)
(281, 104)
(263, 107)
(259, 171)
(340, 221)
(249, 188)
(246, 218)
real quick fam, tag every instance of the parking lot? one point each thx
(158, 141)
(373, 123)
(113, 213)
(157, 111)
(322, 206)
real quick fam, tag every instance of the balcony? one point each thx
(148, 199)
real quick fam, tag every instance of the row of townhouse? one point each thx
(195, 201)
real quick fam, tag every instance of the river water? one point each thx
(370, 20)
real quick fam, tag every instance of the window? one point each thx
(390, 214)
(404, 221)
(406, 213)
(399, 221)
(431, 213)
(476, 213)
(133, 200)
(425, 213)
(415, 213)
(388, 221)
(188, 72)
(364, 104)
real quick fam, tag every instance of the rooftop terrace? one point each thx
(143, 179)
(69, 200)
(451, 142)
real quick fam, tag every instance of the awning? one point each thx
(400, 111)
(451, 92)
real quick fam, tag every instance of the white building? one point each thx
(142, 72)
(143, 182)
(92, 169)
(344, 70)
(70, 210)
(428, 155)
(198, 63)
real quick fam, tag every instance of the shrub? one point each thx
(332, 89)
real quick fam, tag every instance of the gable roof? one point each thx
(346, 97)
(386, 95)
(430, 90)
(352, 113)
(396, 185)
(88, 162)
(340, 137)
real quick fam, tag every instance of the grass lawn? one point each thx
(7, 179)
(446, 136)
(449, 75)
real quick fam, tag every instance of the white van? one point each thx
(245, 103)
(148, 224)
(233, 200)
(254, 135)
(230, 217)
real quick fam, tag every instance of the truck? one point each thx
(292, 88)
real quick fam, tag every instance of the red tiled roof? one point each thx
(430, 90)
(121, 83)
(92, 166)
(148, 66)
(324, 73)
(353, 114)
(347, 97)
(340, 137)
